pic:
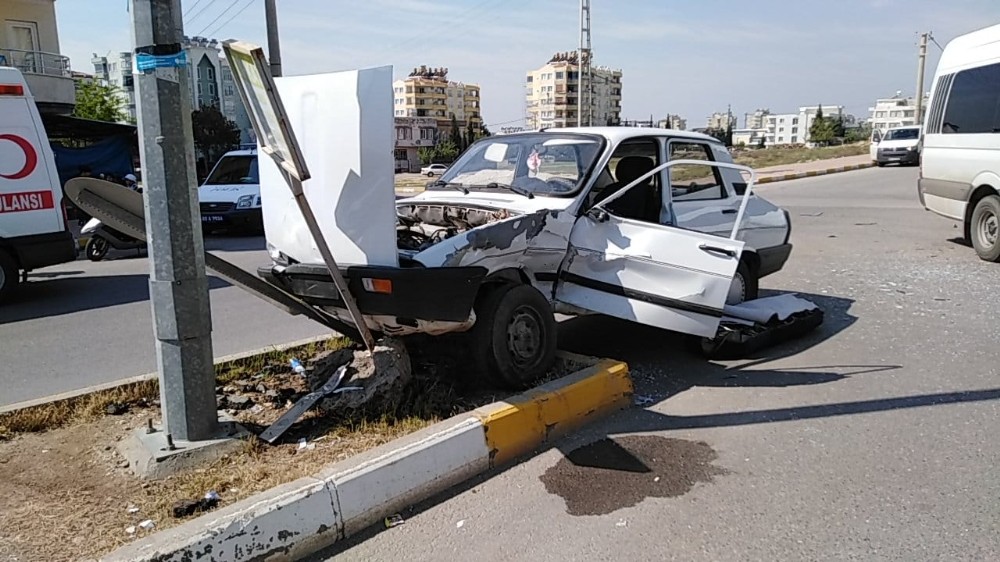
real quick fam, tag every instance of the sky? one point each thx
(681, 57)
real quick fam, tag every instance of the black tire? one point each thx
(9, 276)
(748, 283)
(430, 174)
(985, 228)
(514, 337)
(97, 248)
(880, 164)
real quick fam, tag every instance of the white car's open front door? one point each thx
(653, 274)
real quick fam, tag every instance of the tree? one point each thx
(862, 132)
(446, 150)
(485, 133)
(214, 134)
(456, 133)
(728, 140)
(99, 102)
(426, 155)
(838, 127)
(761, 142)
(822, 129)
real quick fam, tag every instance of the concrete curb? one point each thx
(814, 173)
(304, 516)
(150, 376)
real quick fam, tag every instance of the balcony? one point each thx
(48, 78)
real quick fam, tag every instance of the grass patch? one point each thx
(84, 408)
(780, 156)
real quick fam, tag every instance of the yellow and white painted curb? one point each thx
(814, 173)
(302, 517)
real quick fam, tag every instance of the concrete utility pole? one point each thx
(921, 60)
(178, 285)
(585, 81)
(273, 48)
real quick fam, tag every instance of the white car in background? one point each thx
(433, 170)
(899, 145)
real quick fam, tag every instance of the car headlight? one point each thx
(244, 202)
(911, 148)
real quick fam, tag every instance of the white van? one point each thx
(899, 145)
(960, 157)
(33, 230)
(230, 196)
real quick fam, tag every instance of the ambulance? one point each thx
(33, 225)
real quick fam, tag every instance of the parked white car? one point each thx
(434, 170)
(634, 223)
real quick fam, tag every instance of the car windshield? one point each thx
(902, 134)
(528, 163)
(234, 169)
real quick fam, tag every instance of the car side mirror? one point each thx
(598, 214)
(740, 187)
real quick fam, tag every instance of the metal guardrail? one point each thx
(36, 62)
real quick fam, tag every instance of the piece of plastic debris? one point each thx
(256, 409)
(132, 509)
(302, 443)
(394, 521)
(297, 367)
(621, 523)
(276, 429)
(641, 400)
(147, 525)
(460, 524)
(130, 529)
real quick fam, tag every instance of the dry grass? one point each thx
(90, 406)
(779, 156)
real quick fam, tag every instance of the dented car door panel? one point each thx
(648, 273)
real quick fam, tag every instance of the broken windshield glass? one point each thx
(528, 164)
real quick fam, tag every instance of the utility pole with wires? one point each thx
(273, 47)
(921, 61)
(584, 96)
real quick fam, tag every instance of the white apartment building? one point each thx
(29, 42)
(412, 134)
(756, 120)
(210, 81)
(749, 137)
(721, 121)
(672, 121)
(897, 111)
(793, 128)
(551, 94)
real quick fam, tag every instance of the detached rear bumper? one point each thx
(440, 294)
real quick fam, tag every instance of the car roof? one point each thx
(244, 152)
(618, 134)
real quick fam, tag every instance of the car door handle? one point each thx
(717, 250)
(729, 211)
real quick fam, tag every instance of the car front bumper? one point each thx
(236, 218)
(908, 157)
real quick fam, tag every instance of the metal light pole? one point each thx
(921, 61)
(273, 48)
(178, 285)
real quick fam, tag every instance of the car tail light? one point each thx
(11, 90)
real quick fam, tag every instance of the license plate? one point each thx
(211, 218)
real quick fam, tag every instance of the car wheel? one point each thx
(97, 248)
(880, 164)
(9, 277)
(514, 337)
(745, 285)
(985, 228)
(430, 174)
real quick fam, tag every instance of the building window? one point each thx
(795, 139)
(560, 75)
(794, 130)
(795, 121)
(403, 133)
(426, 133)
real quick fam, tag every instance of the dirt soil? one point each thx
(66, 494)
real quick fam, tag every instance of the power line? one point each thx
(231, 18)
(202, 10)
(218, 17)
(193, 6)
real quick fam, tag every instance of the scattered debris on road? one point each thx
(394, 521)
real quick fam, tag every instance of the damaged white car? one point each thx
(648, 225)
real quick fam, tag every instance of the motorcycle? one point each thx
(103, 238)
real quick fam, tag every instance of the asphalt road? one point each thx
(85, 323)
(874, 438)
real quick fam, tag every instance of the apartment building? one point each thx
(672, 121)
(427, 92)
(551, 94)
(793, 128)
(749, 137)
(897, 111)
(412, 134)
(29, 41)
(210, 81)
(721, 121)
(756, 120)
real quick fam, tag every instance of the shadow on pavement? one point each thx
(57, 296)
